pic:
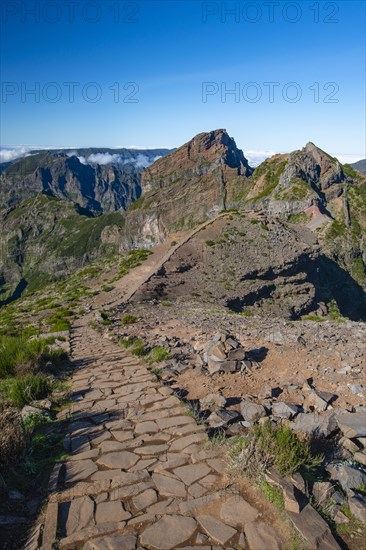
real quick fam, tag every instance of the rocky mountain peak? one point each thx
(199, 156)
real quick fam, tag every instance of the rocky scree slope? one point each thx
(256, 268)
(311, 188)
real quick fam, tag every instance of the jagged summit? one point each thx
(199, 156)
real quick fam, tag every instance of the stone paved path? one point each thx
(140, 473)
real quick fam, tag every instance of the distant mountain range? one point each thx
(360, 166)
(102, 180)
(61, 209)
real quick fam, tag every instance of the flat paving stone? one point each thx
(93, 453)
(183, 442)
(145, 499)
(192, 472)
(173, 421)
(78, 470)
(111, 511)
(260, 536)
(216, 530)
(146, 427)
(167, 486)
(173, 460)
(152, 449)
(122, 435)
(80, 515)
(122, 459)
(113, 542)
(236, 511)
(169, 532)
(143, 464)
(110, 446)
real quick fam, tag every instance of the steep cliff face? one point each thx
(198, 180)
(98, 180)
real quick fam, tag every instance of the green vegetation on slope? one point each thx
(271, 169)
(45, 239)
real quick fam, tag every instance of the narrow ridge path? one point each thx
(140, 474)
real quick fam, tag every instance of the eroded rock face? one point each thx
(195, 182)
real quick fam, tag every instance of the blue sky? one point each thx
(173, 53)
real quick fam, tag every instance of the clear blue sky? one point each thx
(169, 49)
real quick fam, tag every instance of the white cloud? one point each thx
(104, 158)
(256, 157)
(8, 154)
(141, 161)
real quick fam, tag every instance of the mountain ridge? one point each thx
(207, 175)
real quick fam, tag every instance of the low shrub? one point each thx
(129, 319)
(25, 389)
(12, 436)
(158, 354)
(267, 445)
(139, 349)
(17, 352)
(135, 345)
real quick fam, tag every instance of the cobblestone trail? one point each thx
(140, 473)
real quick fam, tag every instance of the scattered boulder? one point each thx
(357, 505)
(319, 400)
(360, 457)
(284, 410)
(252, 411)
(323, 491)
(347, 476)
(224, 354)
(352, 425)
(223, 417)
(236, 354)
(212, 400)
(348, 444)
(228, 366)
(315, 424)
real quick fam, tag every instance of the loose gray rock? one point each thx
(212, 400)
(252, 411)
(223, 417)
(315, 424)
(284, 410)
(352, 424)
(357, 505)
(347, 476)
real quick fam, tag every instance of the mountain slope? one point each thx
(360, 166)
(46, 238)
(312, 188)
(196, 181)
